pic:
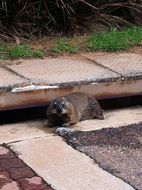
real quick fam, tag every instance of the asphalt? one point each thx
(118, 151)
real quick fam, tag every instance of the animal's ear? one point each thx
(64, 99)
(50, 103)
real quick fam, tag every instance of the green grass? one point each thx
(63, 46)
(24, 51)
(115, 40)
(19, 51)
(38, 53)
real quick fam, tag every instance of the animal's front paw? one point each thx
(101, 117)
(62, 131)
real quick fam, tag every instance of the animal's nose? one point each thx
(59, 108)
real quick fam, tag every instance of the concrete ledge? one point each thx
(35, 82)
(40, 96)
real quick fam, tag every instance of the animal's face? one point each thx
(60, 106)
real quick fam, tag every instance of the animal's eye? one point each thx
(63, 103)
(54, 103)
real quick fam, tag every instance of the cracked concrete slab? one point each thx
(9, 79)
(61, 70)
(65, 168)
(127, 64)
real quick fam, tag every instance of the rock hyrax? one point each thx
(70, 109)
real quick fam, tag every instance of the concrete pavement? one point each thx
(57, 163)
(65, 168)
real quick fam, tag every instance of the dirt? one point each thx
(136, 49)
(118, 151)
(47, 43)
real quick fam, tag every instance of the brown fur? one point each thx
(70, 109)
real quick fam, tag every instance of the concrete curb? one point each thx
(103, 75)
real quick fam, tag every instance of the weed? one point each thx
(38, 53)
(24, 51)
(20, 51)
(63, 46)
(115, 40)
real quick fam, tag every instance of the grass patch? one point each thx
(115, 40)
(62, 46)
(19, 51)
(38, 53)
(25, 51)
